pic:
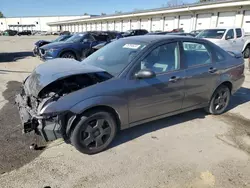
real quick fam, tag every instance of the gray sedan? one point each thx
(128, 82)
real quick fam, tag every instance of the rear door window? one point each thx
(238, 33)
(196, 54)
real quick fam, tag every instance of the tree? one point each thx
(118, 12)
(173, 3)
(85, 13)
(1, 15)
(103, 14)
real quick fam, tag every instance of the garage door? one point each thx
(93, 27)
(99, 26)
(73, 28)
(104, 26)
(156, 24)
(111, 26)
(84, 27)
(89, 27)
(118, 26)
(203, 21)
(168, 23)
(185, 23)
(226, 19)
(135, 24)
(246, 22)
(144, 24)
(125, 25)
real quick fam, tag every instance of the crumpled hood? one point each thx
(55, 45)
(42, 42)
(53, 70)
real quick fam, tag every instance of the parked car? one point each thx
(74, 47)
(158, 33)
(65, 33)
(230, 39)
(24, 32)
(196, 32)
(41, 43)
(128, 82)
(10, 32)
(108, 37)
(135, 32)
(182, 34)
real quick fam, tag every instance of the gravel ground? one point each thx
(188, 150)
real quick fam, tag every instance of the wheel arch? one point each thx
(68, 50)
(76, 117)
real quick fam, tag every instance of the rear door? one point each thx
(230, 40)
(201, 72)
(240, 42)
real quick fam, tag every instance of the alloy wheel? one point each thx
(96, 133)
(221, 100)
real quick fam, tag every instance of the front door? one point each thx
(201, 73)
(230, 40)
(161, 94)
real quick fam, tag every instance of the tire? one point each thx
(94, 132)
(246, 52)
(69, 55)
(219, 100)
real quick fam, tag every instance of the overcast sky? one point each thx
(12, 8)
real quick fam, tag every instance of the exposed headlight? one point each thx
(51, 50)
(48, 113)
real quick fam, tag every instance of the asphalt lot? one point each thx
(188, 150)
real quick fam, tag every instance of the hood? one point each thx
(60, 44)
(38, 43)
(53, 70)
(213, 40)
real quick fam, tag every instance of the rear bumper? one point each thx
(48, 128)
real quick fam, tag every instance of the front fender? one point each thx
(247, 42)
(120, 105)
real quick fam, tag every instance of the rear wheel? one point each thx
(69, 55)
(94, 132)
(219, 101)
(246, 52)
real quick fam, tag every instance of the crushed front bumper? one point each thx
(48, 128)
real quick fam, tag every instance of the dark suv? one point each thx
(135, 32)
(25, 32)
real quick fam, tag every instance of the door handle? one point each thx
(174, 79)
(212, 70)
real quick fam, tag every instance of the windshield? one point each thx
(76, 37)
(212, 33)
(114, 63)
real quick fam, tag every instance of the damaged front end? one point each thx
(39, 94)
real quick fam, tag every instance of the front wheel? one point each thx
(219, 100)
(246, 52)
(94, 132)
(68, 55)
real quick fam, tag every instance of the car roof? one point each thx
(155, 38)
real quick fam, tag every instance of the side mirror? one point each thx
(228, 37)
(145, 73)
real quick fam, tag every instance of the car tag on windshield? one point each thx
(131, 46)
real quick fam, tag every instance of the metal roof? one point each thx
(186, 7)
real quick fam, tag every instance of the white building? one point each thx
(35, 23)
(189, 17)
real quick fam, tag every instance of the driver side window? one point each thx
(162, 59)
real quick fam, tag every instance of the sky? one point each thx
(17, 8)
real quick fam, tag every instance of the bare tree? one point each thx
(118, 12)
(85, 13)
(1, 15)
